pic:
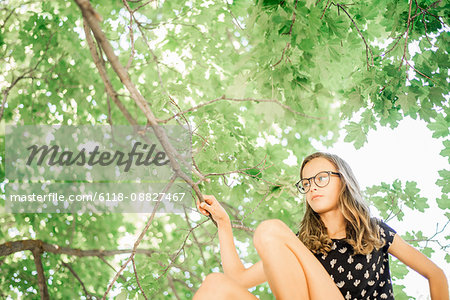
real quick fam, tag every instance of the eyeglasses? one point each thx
(321, 180)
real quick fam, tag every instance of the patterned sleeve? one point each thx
(387, 234)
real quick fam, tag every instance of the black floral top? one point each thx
(361, 276)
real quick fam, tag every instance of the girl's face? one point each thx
(329, 194)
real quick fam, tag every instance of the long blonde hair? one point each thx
(361, 230)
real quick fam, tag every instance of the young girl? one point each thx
(339, 251)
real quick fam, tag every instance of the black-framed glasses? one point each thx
(321, 180)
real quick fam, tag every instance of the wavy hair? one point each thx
(361, 230)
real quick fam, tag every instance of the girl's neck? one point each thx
(335, 224)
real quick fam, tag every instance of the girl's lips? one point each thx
(316, 196)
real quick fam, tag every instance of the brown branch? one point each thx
(407, 34)
(144, 38)
(23, 76)
(90, 15)
(242, 227)
(426, 34)
(178, 252)
(172, 261)
(172, 286)
(141, 236)
(368, 49)
(142, 5)
(241, 171)
(104, 76)
(282, 54)
(109, 265)
(430, 239)
(7, 18)
(241, 100)
(22, 245)
(423, 10)
(155, 59)
(325, 9)
(236, 22)
(130, 60)
(137, 279)
(407, 62)
(88, 295)
(37, 252)
(254, 208)
(395, 44)
(92, 19)
(294, 15)
(193, 235)
(406, 44)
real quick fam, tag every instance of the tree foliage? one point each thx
(233, 72)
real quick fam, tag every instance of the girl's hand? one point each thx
(212, 207)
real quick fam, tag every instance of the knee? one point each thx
(212, 284)
(214, 279)
(268, 232)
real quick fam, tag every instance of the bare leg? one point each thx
(219, 286)
(292, 271)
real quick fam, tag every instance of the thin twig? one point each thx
(368, 49)
(88, 295)
(137, 279)
(241, 100)
(294, 15)
(141, 236)
(325, 9)
(407, 35)
(282, 54)
(172, 286)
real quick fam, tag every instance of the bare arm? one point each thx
(422, 265)
(232, 265)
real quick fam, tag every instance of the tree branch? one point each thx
(282, 54)
(22, 245)
(92, 19)
(172, 286)
(241, 100)
(141, 236)
(37, 252)
(294, 15)
(407, 34)
(88, 295)
(368, 49)
(137, 279)
(104, 75)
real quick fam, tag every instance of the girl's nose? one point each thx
(313, 185)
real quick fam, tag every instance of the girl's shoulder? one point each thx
(387, 233)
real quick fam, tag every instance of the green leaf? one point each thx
(443, 202)
(355, 134)
(439, 127)
(446, 150)
(254, 173)
(444, 182)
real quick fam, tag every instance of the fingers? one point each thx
(201, 207)
(209, 199)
